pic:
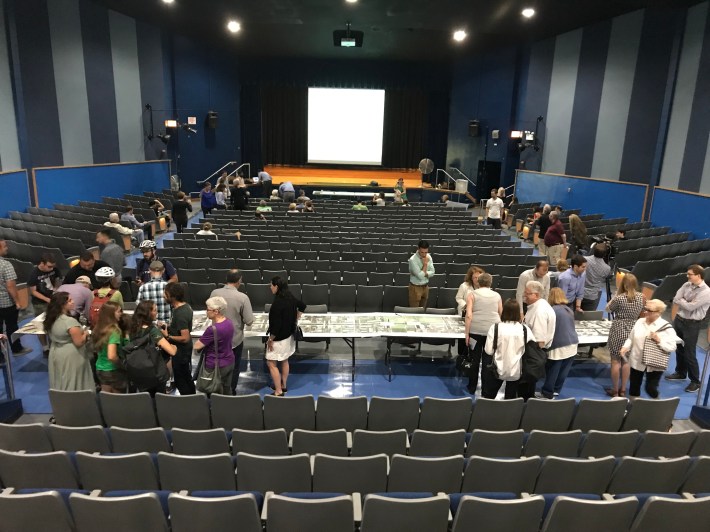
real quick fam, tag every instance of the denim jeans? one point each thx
(556, 373)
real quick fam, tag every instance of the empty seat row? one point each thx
(196, 412)
(367, 474)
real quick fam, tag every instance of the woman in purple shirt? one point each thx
(221, 352)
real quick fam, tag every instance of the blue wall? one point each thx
(68, 185)
(681, 211)
(592, 196)
(15, 192)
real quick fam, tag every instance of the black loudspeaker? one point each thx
(474, 128)
(212, 119)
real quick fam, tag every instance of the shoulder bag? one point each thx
(653, 355)
(534, 360)
(209, 381)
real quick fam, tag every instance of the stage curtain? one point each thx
(250, 123)
(406, 117)
(284, 124)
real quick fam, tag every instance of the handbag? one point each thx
(298, 334)
(209, 381)
(534, 359)
(653, 355)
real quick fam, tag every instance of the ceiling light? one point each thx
(351, 1)
(528, 12)
(234, 26)
(459, 35)
(168, 1)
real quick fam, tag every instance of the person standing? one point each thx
(660, 332)
(543, 223)
(178, 334)
(483, 309)
(578, 234)
(265, 179)
(43, 281)
(596, 273)
(555, 238)
(87, 266)
(207, 199)
(69, 366)
(541, 319)
(153, 291)
(239, 311)
(627, 306)
(494, 207)
(572, 282)
(111, 254)
(179, 211)
(149, 251)
(108, 338)
(281, 344)
(10, 305)
(81, 293)
(399, 187)
(563, 348)
(470, 283)
(693, 300)
(287, 192)
(539, 274)
(220, 197)
(421, 269)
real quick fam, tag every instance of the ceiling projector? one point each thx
(348, 38)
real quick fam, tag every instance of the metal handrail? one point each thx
(217, 172)
(436, 181)
(464, 176)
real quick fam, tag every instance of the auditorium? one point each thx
(354, 266)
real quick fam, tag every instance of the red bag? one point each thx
(96, 305)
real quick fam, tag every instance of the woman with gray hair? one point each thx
(217, 343)
(658, 331)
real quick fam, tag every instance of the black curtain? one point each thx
(406, 116)
(284, 124)
(250, 113)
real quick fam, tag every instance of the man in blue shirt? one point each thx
(287, 192)
(572, 282)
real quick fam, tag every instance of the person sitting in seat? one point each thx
(274, 195)
(308, 207)
(206, 230)
(360, 207)
(292, 208)
(129, 217)
(263, 207)
(302, 198)
(114, 221)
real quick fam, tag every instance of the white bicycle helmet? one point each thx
(147, 244)
(104, 273)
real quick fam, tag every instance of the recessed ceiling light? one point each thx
(528, 12)
(459, 35)
(234, 26)
(351, 1)
(168, 1)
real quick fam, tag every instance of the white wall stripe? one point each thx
(9, 143)
(70, 81)
(616, 95)
(561, 101)
(126, 78)
(683, 96)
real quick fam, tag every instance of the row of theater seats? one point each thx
(361, 442)
(367, 474)
(197, 412)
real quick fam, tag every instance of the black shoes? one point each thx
(693, 387)
(675, 377)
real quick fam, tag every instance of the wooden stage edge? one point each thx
(325, 177)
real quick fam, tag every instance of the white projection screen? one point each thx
(345, 126)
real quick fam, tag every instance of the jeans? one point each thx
(652, 380)
(556, 373)
(475, 354)
(8, 319)
(685, 355)
(237, 362)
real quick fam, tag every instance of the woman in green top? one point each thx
(402, 189)
(108, 338)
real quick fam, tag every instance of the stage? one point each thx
(328, 177)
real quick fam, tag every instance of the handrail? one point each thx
(217, 172)
(436, 182)
(242, 166)
(464, 176)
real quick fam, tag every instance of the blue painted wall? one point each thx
(592, 196)
(681, 211)
(15, 193)
(68, 185)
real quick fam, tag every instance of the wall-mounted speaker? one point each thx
(474, 128)
(212, 119)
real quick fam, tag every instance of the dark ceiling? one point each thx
(412, 30)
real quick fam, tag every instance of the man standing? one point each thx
(43, 281)
(572, 282)
(494, 206)
(421, 269)
(9, 301)
(178, 333)
(240, 312)
(541, 319)
(543, 223)
(111, 254)
(265, 179)
(81, 293)
(148, 249)
(555, 238)
(153, 290)
(597, 272)
(87, 266)
(287, 192)
(539, 274)
(181, 207)
(693, 300)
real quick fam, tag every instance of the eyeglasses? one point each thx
(650, 310)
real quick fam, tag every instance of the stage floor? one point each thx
(328, 177)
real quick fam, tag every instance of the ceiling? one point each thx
(411, 30)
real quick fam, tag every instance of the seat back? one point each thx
(330, 442)
(380, 514)
(211, 472)
(39, 470)
(445, 414)
(408, 473)
(124, 472)
(75, 409)
(214, 513)
(661, 513)
(543, 443)
(429, 443)
(349, 413)
(371, 442)
(641, 475)
(495, 474)
(35, 511)
(489, 414)
(598, 443)
(666, 444)
(237, 411)
(698, 479)
(287, 514)
(651, 414)
(290, 413)
(138, 513)
(494, 515)
(568, 513)
(273, 473)
(131, 411)
(595, 414)
(88, 439)
(553, 416)
(200, 442)
(351, 474)
(392, 414)
(574, 475)
(139, 440)
(32, 438)
(262, 442)
(506, 444)
(183, 411)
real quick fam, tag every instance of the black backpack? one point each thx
(144, 364)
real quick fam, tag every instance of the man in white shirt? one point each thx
(541, 319)
(539, 274)
(494, 207)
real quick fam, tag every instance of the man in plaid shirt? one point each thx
(153, 290)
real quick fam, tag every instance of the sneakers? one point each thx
(692, 387)
(675, 377)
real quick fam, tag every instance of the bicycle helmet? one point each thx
(147, 244)
(104, 273)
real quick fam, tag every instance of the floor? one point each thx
(319, 372)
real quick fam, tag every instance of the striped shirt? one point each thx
(693, 301)
(153, 290)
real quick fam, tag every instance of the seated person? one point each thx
(398, 196)
(206, 230)
(308, 206)
(379, 199)
(292, 208)
(114, 221)
(444, 199)
(263, 207)
(159, 210)
(302, 198)
(274, 195)
(359, 206)
(129, 217)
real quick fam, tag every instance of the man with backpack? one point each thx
(104, 292)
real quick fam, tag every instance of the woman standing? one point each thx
(283, 318)
(180, 210)
(483, 310)
(662, 334)
(470, 283)
(578, 232)
(218, 350)
(142, 325)
(207, 199)
(563, 347)
(399, 187)
(240, 198)
(220, 197)
(108, 338)
(507, 352)
(627, 306)
(69, 366)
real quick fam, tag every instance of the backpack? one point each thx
(144, 364)
(96, 304)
